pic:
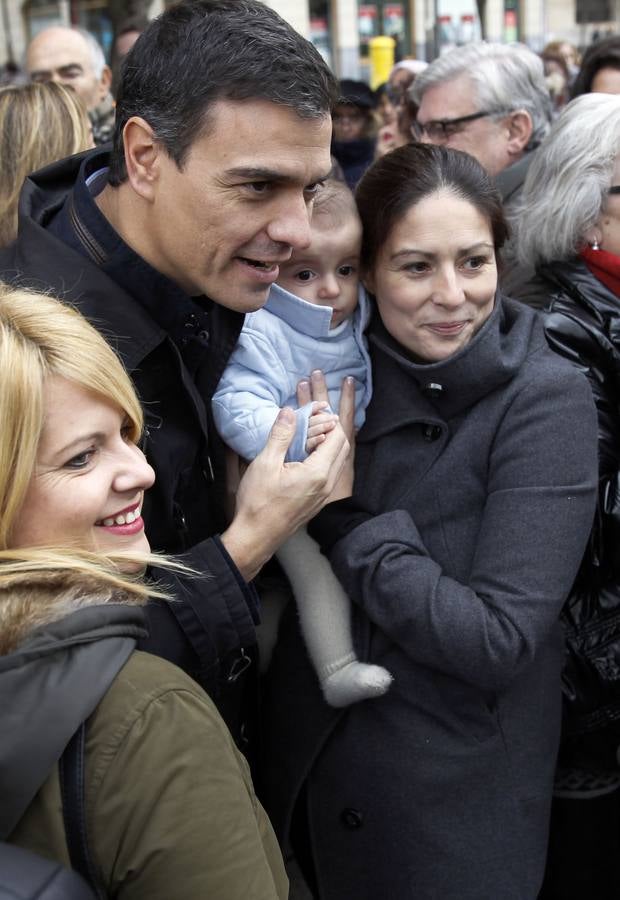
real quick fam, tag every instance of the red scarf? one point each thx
(604, 266)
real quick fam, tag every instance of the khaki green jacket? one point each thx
(171, 811)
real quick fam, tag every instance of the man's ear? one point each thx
(520, 130)
(105, 83)
(142, 157)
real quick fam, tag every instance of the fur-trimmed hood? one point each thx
(29, 602)
(63, 639)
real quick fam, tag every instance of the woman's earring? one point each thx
(594, 244)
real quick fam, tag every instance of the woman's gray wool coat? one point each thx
(481, 473)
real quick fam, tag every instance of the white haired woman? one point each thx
(169, 807)
(569, 228)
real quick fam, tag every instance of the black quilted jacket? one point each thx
(582, 323)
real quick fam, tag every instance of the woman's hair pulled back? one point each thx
(404, 177)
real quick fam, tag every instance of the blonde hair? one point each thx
(39, 124)
(40, 337)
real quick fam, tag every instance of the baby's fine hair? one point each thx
(334, 205)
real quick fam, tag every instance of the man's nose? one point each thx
(292, 225)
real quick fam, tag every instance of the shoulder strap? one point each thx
(71, 770)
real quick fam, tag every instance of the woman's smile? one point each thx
(438, 260)
(126, 521)
(448, 328)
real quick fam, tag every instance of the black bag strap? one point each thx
(71, 770)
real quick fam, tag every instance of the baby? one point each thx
(314, 319)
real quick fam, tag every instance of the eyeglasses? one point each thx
(441, 129)
(614, 189)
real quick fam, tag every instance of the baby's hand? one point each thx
(319, 424)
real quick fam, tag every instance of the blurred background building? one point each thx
(342, 29)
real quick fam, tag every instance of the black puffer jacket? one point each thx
(582, 323)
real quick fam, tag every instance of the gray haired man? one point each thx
(489, 100)
(72, 56)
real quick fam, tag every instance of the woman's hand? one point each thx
(315, 390)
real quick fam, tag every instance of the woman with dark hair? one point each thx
(398, 132)
(600, 69)
(442, 787)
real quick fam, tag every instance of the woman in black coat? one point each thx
(569, 228)
(441, 788)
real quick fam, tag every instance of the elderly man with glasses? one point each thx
(489, 100)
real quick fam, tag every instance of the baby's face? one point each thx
(327, 272)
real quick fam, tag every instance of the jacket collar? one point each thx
(437, 392)
(510, 180)
(308, 318)
(134, 333)
(573, 277)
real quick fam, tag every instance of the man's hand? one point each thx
(275, 498)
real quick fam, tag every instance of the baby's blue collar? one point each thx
(308, 318)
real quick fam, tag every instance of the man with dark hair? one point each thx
(222, 138)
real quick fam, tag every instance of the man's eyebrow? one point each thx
(38, 73)
(253, 173)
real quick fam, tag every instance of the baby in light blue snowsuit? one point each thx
(314, 319)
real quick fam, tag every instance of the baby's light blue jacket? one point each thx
(279, 345)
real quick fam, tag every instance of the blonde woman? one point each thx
(169, 804)
(39, 124)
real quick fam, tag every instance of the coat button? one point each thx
(432, 432)
(352, 818)
(433, 389)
